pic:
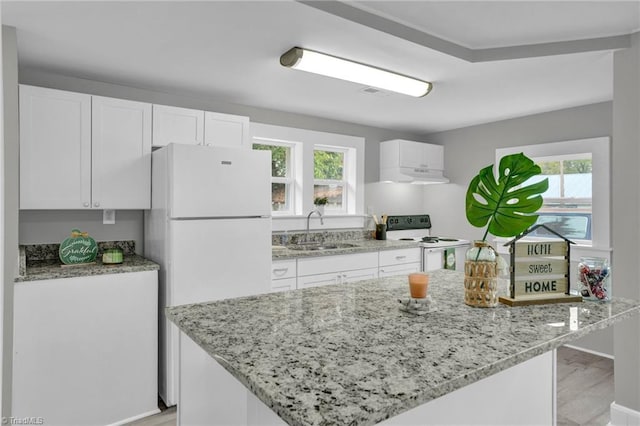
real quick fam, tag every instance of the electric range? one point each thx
(438, 252)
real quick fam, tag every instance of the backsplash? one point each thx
(284, 238)
(36, 252)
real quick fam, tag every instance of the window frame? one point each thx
(291, 172)
(601, 177)
(344, 182)
(305, 142)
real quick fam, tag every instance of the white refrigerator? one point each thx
(209, 228)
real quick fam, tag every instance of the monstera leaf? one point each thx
(506, 206)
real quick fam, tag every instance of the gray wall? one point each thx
(53, 226)
(626, 218)
(469, 149)
(10, 182)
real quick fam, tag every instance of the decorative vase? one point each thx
(320, 208)
(594, 278)
(481, 276)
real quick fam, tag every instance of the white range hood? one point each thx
(411, 162)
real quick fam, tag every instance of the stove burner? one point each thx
(407, 239)
(436, 239)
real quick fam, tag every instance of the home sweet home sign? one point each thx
(539, 271)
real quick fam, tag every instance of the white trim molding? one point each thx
(623, 416)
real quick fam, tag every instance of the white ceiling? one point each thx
(229, 51)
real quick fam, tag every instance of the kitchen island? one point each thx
(346, 354)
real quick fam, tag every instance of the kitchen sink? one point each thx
(320, 246)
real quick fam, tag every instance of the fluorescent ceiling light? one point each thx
(331, 66)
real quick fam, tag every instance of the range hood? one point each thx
(411, 162)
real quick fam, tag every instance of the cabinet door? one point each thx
(121, 154)
(79, 342)
(55, 149)
(421, 155)
(177, 125)
(226, 130)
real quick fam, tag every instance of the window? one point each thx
(578, 173)
(309, 164)
(329, 177)
(281, 175)
(567, 202)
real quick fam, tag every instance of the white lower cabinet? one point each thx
(85, 349)
(318, 271)
(326, 270)
(283, 275)
(399, 262)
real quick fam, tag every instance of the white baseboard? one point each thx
(580, 348)
(623, 416)
(138, 417)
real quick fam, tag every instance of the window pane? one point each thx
(333, 194)
(279, 197)
(568, 201)
(328, 165)
(279, 158)
(568, 224)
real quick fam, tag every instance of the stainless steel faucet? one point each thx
(309, 217)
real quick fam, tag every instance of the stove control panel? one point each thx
(398, 223)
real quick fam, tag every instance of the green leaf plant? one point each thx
(505, 206)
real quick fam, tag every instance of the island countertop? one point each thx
(345, 354)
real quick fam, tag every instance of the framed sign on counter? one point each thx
(539, 271)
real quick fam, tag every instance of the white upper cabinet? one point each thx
(409, 161)
(121, 152)
(177, 125)
(190, 126)
(417, 154)
(226, 130)
(55, 149)
(82, 152)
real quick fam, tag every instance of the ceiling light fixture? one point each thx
(332, 66)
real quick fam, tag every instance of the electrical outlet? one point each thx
(109, 217)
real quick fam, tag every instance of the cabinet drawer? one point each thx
(320, 280)
(283, 285)
(359, 275)
(395, 257)
(283, 269)
(347, 262)
(404, 269)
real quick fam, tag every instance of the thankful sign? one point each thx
(78, 248)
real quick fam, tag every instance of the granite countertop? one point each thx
(356, 246)
(346, 354)
(52, 269)
(41, 262)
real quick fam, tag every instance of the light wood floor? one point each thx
(585, 392)
(585, 388)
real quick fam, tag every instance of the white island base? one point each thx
(520, 395)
